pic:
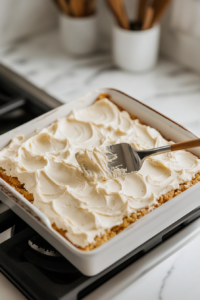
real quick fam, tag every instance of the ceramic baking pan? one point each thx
(137, 237)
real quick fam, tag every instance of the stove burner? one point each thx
(38, 244)
(50, 263)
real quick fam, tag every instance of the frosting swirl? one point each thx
(45, 163)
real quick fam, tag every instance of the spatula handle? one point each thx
(185, 145)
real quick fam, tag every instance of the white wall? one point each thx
(19, 18)
(180, 37)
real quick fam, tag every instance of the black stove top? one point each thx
(26, 259)
(17, 109)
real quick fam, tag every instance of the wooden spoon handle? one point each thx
(77, 7)
(118, 10)
(160, 11)
(142, 5)
(90, 7)
(64, 6)
(148, 18)
(185, 145)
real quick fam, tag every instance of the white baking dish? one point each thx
(93, 262)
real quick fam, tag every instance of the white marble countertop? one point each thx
(170, 88)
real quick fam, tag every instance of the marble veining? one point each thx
(169, 272)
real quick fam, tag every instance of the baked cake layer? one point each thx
(43, 168)
(100, 240)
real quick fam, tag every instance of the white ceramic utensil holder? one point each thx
(135, 51)
(79, 35)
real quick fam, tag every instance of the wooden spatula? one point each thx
(160, 8)
(142, 5)
(78, 7)
(117, 6)
(64, 6)
(90, 7)
(148, 19)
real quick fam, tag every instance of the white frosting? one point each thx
(94, 164)
(45, 162)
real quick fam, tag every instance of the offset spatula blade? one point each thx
(115, 160)
(125, 158)
(121, 159)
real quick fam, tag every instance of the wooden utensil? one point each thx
(160, 10)
(186, 145)
(156, 4)
(142, 4)
(78, 7)
(148, 18)
(117, 6)
(90, 7)
(64, 6)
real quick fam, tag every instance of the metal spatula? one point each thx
(131, 160)
(122, 159)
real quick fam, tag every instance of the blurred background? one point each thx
(64, 52)
(180, 28)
